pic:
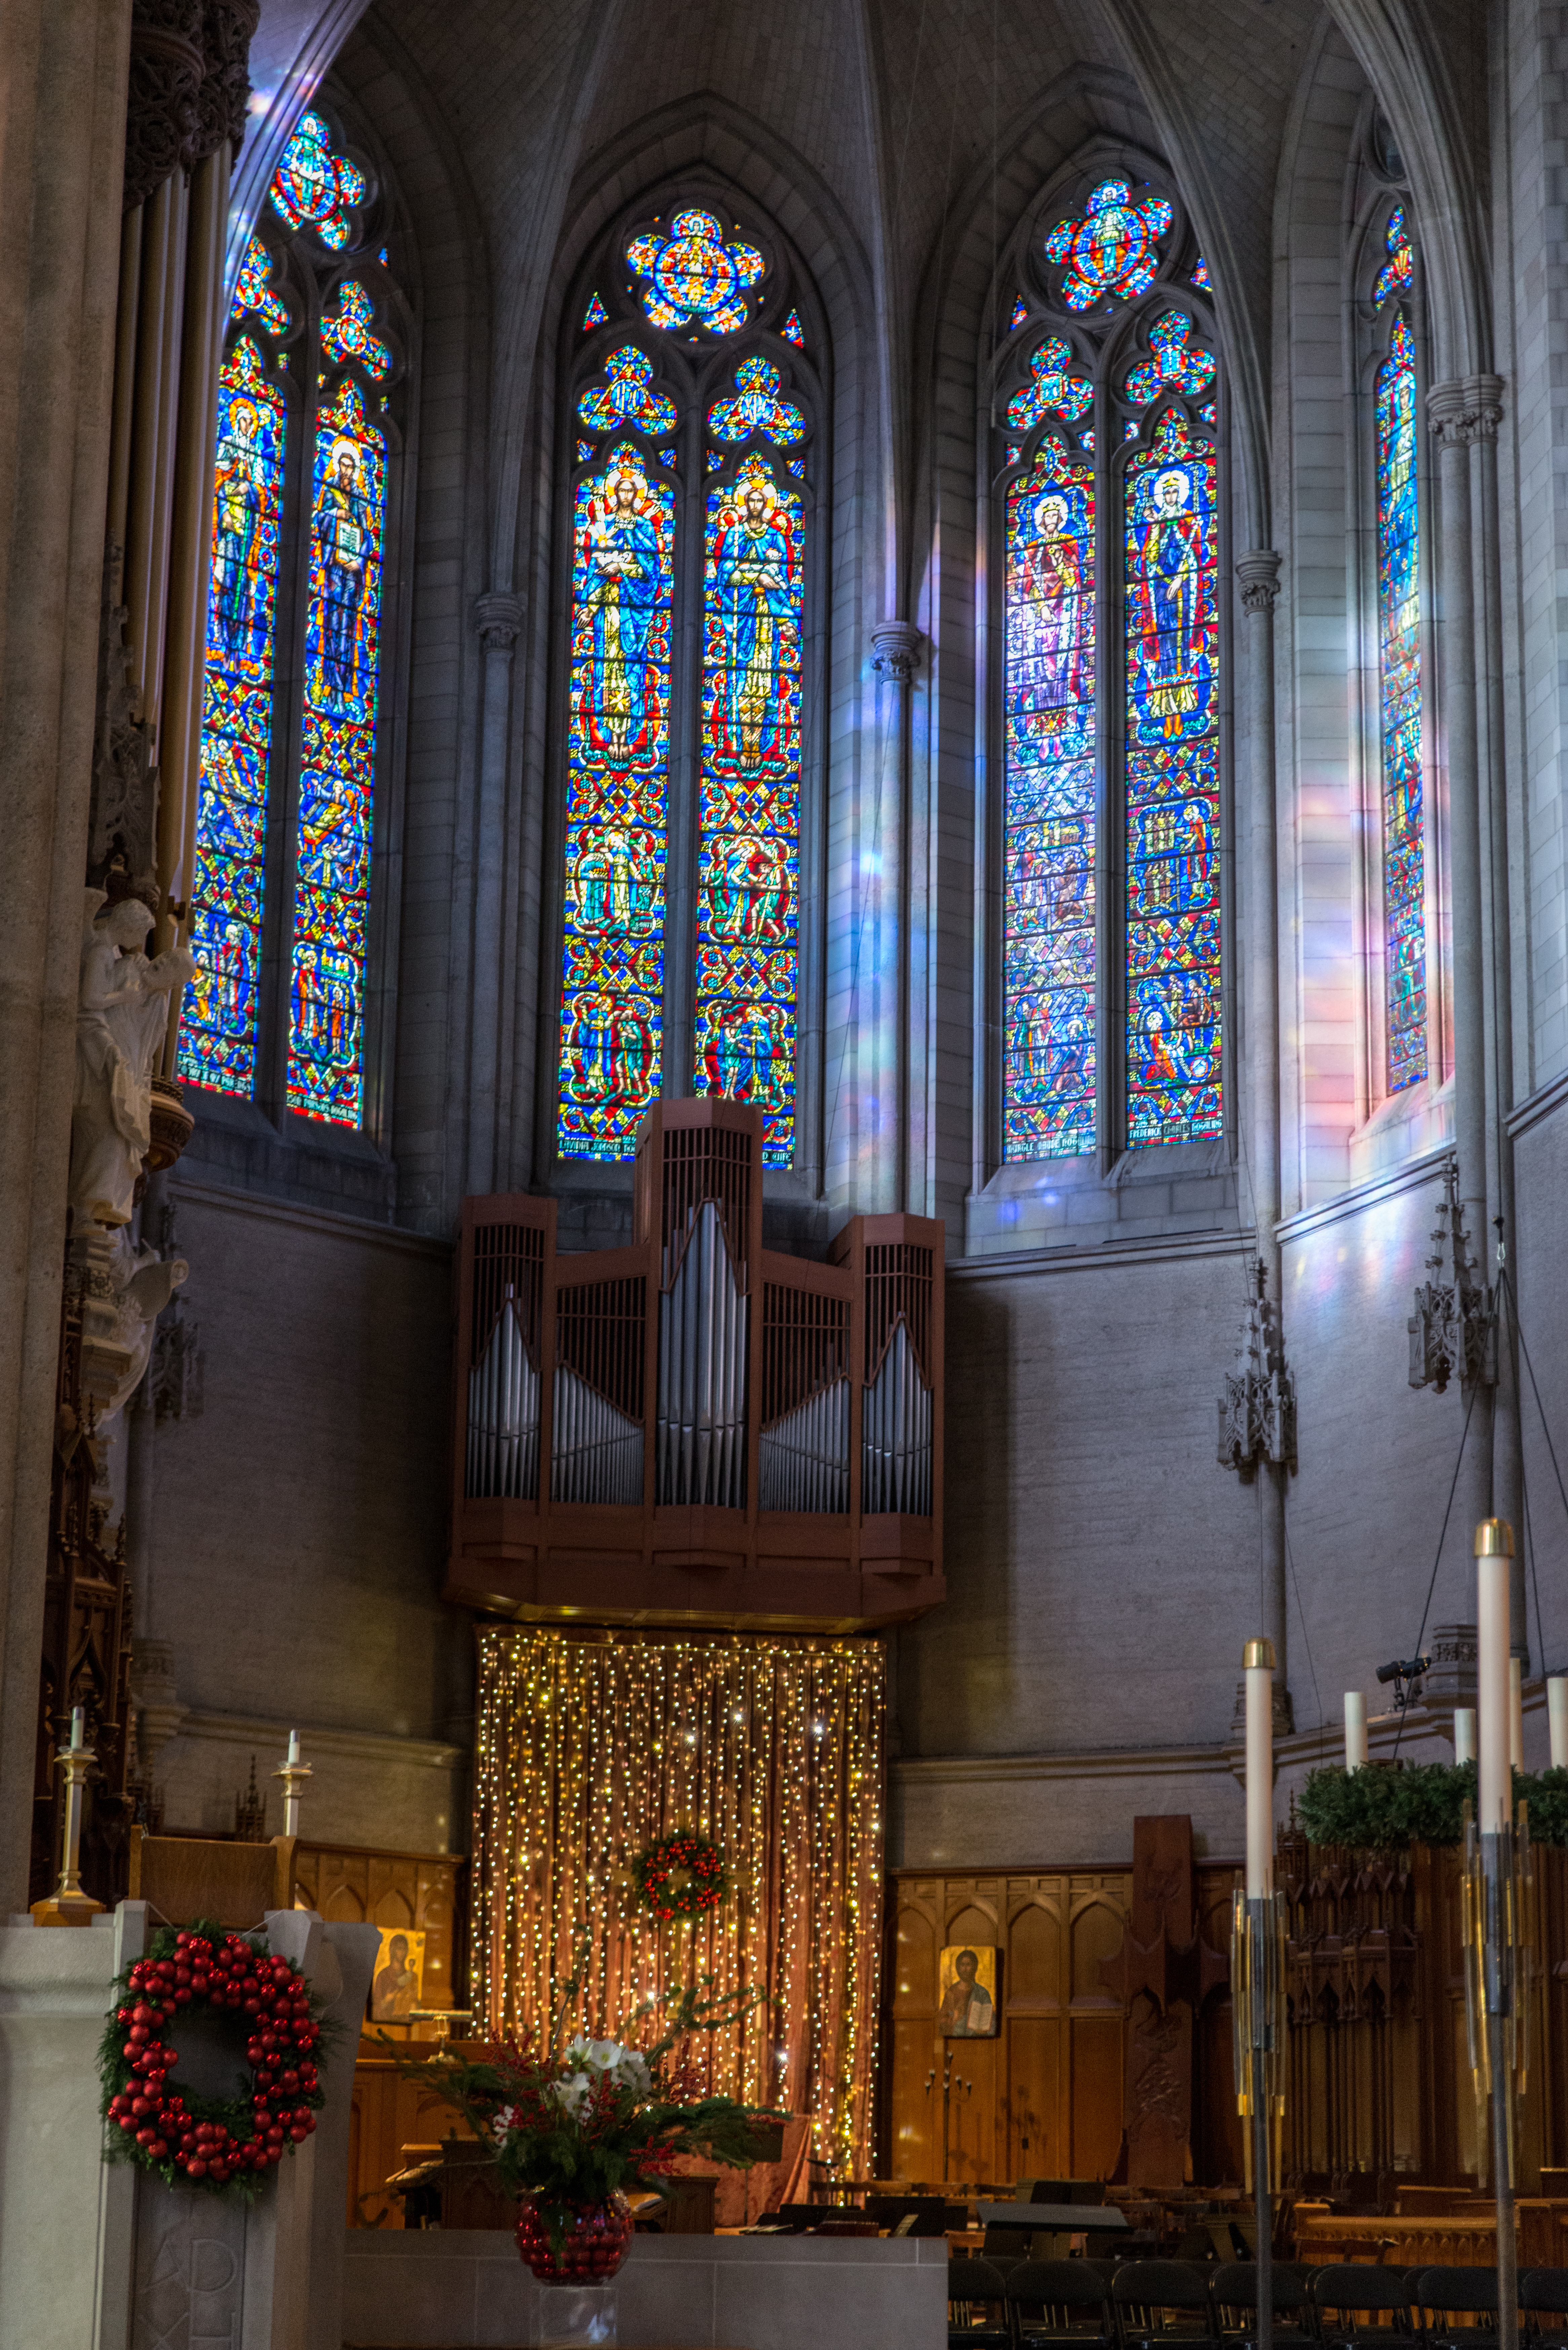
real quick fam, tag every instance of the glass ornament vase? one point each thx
(598, 2238)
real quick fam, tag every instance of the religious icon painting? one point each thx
(399, 1968)
(966, 1990)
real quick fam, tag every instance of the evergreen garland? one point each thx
(1383, 1810)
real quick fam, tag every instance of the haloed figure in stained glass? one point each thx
(756, 610)
(1170, 640)
(617, 882)
(625, 570)
(345, 527)
(1049, 605)
(240, 510)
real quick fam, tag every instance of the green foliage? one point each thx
(1384, 1810)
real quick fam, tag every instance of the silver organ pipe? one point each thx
(895, 1434)
(701, 1436)
(596, 1452)
(504, 1413)
(803, 1462)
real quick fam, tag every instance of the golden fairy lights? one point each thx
(593, 1746)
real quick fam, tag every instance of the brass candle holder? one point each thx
(68, 1905)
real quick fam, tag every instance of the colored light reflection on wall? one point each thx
(590, 1750)
(1399, 664)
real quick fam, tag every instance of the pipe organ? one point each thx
(696, 1429)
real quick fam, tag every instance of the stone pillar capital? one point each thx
(1258, 577)
(894, 651)
(1467, 408)
(498, 616)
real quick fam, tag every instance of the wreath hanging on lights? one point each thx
(224, 2146)
(682, 1875)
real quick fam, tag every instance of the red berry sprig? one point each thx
(175, 2133)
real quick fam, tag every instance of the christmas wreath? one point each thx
(680, 1877)
(224, 2145)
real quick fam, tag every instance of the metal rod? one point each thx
(1263, 2202)
(1502, 2167)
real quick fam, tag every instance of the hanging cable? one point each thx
(1442, 1537)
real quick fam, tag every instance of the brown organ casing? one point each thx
(696, 1430)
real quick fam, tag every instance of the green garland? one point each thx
(1384, 1810)
(686, 1857)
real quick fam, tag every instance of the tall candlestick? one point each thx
(1494, 1548)
(1464, 1733)
(1516, 1712)
(1258, 1662)
(1354, 1728)
(1557, 1719)
(293, 1774)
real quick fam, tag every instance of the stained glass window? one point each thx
(749, 876)
(695, 277)
(218, 1025)
(616, 806)
(628, 397)
(1396, 274)
(1055, 384)
(792, 331)
(595, 315)
(756, 406)
(1175, 359)
(1172, 662)
(1049, 1056)
(314, 188)
(338, 759)
(336, 516)
(253, 289)
(1399, 660)
(1200, 273)
(1020, 313)
(1112, 253)
(347, 336)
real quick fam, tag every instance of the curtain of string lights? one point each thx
(594, 1746)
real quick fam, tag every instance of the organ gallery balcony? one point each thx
(696, 1430)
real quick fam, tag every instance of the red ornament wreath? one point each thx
(691, 1857)
(224, 2145)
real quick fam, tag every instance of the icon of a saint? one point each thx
(969, 2011)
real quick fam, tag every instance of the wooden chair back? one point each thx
(185, 1877)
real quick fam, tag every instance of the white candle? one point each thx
(1354, 1728)
(1557, 1719)
(1494, 1548)
(79, 1727)
(1258, 1663)
(1464, 1733)
(294, 1746)
(1516, 1712)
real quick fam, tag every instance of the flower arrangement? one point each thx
(575, 2122)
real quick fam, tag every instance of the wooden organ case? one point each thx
(696, 1429)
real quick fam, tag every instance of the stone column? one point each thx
(62, 127)
(499, 618)
(1258, 581)
(1463, 413)
(894, 651)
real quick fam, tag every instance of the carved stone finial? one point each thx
(895, 649)
(1258, 577)
(499, 619)
(1453, 1331)
(1257, 1408)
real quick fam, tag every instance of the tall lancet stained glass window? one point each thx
(1399, 679)
(1106, 438)
(676, 497)
(308, 354)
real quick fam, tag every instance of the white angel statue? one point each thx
(122, 1016)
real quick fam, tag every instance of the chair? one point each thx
(231, 1885)
(1233, 2289)
(977, 2314)
(1543, 2290)
(1163, 2303)
(1060, 2302)
(1445, 2294)
(1338, 2296)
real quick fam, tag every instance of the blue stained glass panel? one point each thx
(612, 990)
(1173, 946)
(346, 335)
(1175, 360)
(253, 289)
(1048, 979)
(314, 188)
(595, 315)
(756, 406)
(1399, 660)
(695, 276)
(1112, 253)
(1053, 385)
(792, 331)
(218, 1025)
(326, 1076)
(749, 868)
(626, 397)
(1396, 274)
